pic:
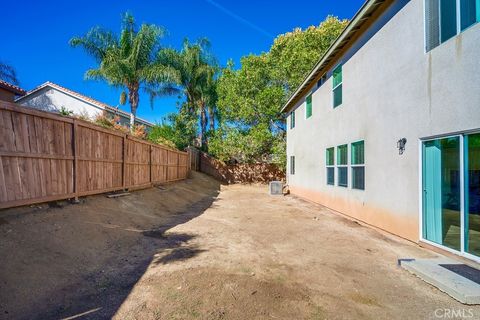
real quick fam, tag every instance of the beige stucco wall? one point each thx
(391, 89)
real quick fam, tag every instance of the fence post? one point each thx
(75, 159)
(166, 166)
(150, 165)
(124, 164)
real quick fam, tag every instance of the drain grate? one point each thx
(464, 271)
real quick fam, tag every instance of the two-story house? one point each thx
(386, 127)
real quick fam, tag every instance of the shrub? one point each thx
(65, 112)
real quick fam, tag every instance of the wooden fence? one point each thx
(46, 157)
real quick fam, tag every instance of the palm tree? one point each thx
(195, 70)
(207, 104)
(126, 61)
(8, 74)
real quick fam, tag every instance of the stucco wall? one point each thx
(391, 89)
(52, 100)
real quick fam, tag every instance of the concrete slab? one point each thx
(431, 270)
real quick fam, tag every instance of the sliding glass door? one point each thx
(451, 192)
(472, 194)
(441, 181)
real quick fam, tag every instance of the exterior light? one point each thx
(401, 145)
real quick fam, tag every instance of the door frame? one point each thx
(421, 141)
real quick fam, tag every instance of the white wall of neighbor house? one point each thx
(48, 99)
(52, 100)
(392, 89)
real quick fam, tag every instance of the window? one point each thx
(469, 13)
(337, 86)
(330, 163)
(308, 107)
(322, 80)
(292, 119)
(358, 165)
(292, 165)
(342, 165)
(442, 21)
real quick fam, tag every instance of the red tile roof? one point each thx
(12, 88)
(85, 98)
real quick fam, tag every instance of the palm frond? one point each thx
(8, 74)
(96, 42)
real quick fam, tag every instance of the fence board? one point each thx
(46, 157)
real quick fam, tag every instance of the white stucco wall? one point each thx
(391, 89)
(52, 100)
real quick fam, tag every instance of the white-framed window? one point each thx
(292, 165)
(342, 165)
(308, 106)
(292, 119)
(358, 165)
(445, 19)
(330, 165)
(337, 86)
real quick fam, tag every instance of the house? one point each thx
(53, 98)
(8, 91)
(386, 127)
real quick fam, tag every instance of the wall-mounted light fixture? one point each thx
(401, 145)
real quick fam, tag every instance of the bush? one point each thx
(177, 130)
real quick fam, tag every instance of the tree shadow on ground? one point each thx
(99, 293)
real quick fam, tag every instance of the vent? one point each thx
(276, 188)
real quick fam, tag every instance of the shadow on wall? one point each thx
(240, 173)
(41, 102)
(85, 259)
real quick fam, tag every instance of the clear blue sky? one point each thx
(36, 33)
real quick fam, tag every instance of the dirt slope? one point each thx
(200, 251)
(57, 262)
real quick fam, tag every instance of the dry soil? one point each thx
(198, 250)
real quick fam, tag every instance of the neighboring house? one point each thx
(52, 97)
(386, 127)
(8, 91)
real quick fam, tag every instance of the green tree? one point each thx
(294, 54)
(126, 61)
(178, 128)
(249, 99)
(8, 74)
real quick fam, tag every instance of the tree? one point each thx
(250, 98)
(126, 61)
(294, 54)
(178, 128)
(195, 79)
(8, 73)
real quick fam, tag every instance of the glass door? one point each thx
(451, 188)
(441, 192)
(472, 193)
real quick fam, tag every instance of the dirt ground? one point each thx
(198, 250)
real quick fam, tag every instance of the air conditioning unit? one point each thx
(276, 188)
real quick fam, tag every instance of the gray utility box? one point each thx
(276, 188)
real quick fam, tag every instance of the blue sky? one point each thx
(36, 34)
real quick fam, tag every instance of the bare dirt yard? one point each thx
(198, 250)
